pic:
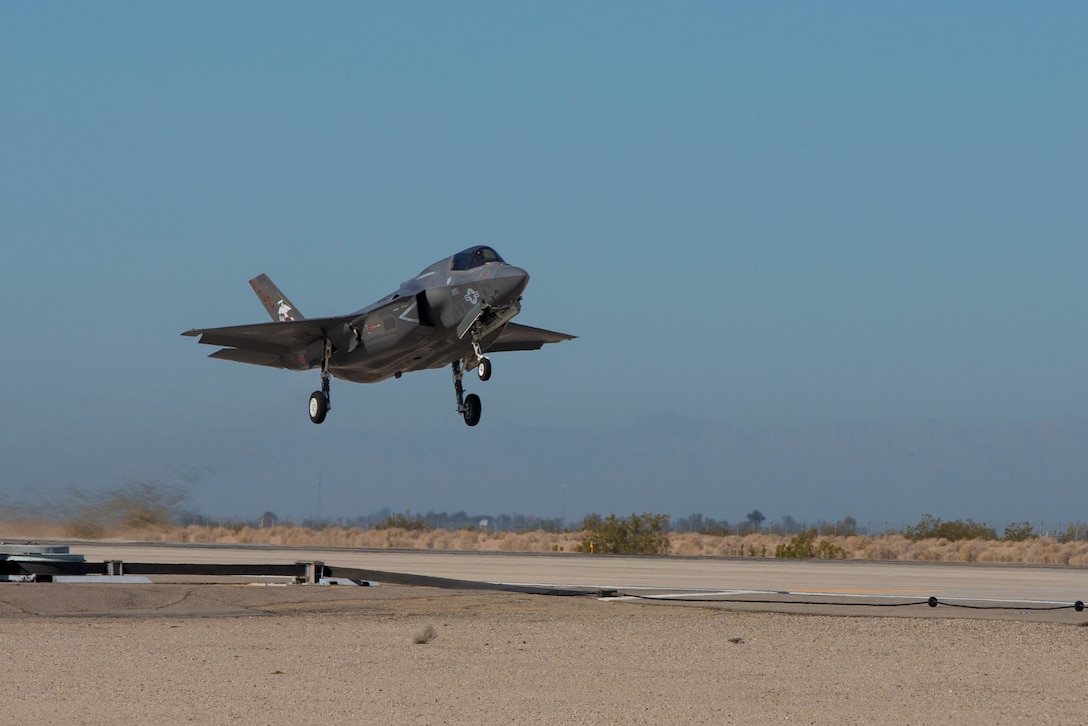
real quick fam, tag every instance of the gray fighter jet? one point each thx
(453, 313)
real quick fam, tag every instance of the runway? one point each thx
(831, 587)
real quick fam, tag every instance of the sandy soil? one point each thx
(86, 654)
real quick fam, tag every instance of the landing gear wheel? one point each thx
(484, 369)
(319, 406)
(473, 409)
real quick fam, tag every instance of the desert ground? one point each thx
(191, 653)
(237, 653)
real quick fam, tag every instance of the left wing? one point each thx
(292, 342)
(297, 344)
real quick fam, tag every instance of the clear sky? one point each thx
(768, 214)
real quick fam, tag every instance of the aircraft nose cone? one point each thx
(518, 279)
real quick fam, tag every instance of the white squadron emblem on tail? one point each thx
(283, 311)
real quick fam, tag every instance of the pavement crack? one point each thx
(17, 609)
(185, 596)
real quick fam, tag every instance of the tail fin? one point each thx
(275, 302)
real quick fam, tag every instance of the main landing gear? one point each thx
(468, 406)
(320, 402)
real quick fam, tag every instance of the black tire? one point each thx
(319, 406)
(484, 371)
(473, 409)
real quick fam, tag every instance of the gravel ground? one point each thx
(109, 654)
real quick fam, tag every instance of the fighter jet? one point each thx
(452, 313)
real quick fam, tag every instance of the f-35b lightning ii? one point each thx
(453, 313)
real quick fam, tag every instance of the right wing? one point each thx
(522, 337)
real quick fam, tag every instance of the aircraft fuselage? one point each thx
(416, 327)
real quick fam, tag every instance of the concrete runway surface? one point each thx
(831, 587)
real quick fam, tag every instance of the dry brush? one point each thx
(1037, 550)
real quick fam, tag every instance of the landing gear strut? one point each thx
(320, 402)
(483, 363)
(468, 406)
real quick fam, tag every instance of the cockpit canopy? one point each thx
(474, 257)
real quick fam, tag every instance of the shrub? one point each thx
(845, 527)
(703, 525)
(929, 527)
(1019, 531)
(803, 545)
(407, 521)
(1074, 533)
(641, 534)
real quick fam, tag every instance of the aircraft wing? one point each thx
(267, 343)
(297, 344)
(523, 337)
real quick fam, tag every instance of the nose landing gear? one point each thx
(469, 406)
(482, 362)
(484, 369)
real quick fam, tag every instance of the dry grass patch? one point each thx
(424, 634)
(1038, 550)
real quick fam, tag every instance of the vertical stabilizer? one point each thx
(275, 302)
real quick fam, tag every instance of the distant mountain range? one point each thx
(880, 472)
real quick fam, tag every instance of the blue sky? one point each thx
(766, 214)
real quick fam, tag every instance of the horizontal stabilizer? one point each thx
(271, 360)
